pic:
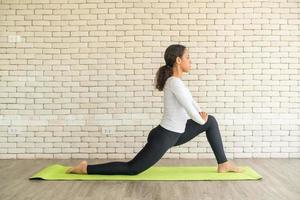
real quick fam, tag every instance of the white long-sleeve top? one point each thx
(179, 106)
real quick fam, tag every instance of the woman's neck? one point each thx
(177, 72)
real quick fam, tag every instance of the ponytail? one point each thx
(163, 73)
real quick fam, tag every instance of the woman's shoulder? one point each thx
(174, 79)
(175, 82)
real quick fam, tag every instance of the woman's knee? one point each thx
(131, 168)
(135, 170)
(212, 119)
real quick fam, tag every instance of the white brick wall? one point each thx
(71, 68)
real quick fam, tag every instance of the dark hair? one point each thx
(165, 71)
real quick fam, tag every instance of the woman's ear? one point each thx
(178, 60)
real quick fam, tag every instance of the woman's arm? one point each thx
(196, 106)
(186, 100)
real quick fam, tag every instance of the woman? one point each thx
(182, 121)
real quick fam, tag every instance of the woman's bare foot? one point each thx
(79, 169)
(228, 167)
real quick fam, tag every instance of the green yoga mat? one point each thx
(161, 173)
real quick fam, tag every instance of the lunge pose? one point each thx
(182, 121)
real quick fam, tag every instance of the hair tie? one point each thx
(168, 66)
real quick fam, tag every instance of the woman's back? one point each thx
(179, 106)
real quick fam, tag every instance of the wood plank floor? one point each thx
(281, 180)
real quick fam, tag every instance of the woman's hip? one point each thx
(162, 135)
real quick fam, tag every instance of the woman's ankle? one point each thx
(84, 165)
(223, 163)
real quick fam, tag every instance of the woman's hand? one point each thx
(204, 116)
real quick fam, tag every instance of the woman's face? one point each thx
(185, 63)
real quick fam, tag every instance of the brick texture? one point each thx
(77, 76)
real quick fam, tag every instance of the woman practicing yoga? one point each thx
(182, 121)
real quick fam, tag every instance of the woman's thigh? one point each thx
(158, 142)
(192, 129)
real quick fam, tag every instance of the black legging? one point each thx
(158, 142)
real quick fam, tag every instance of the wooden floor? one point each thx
(281, 180)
